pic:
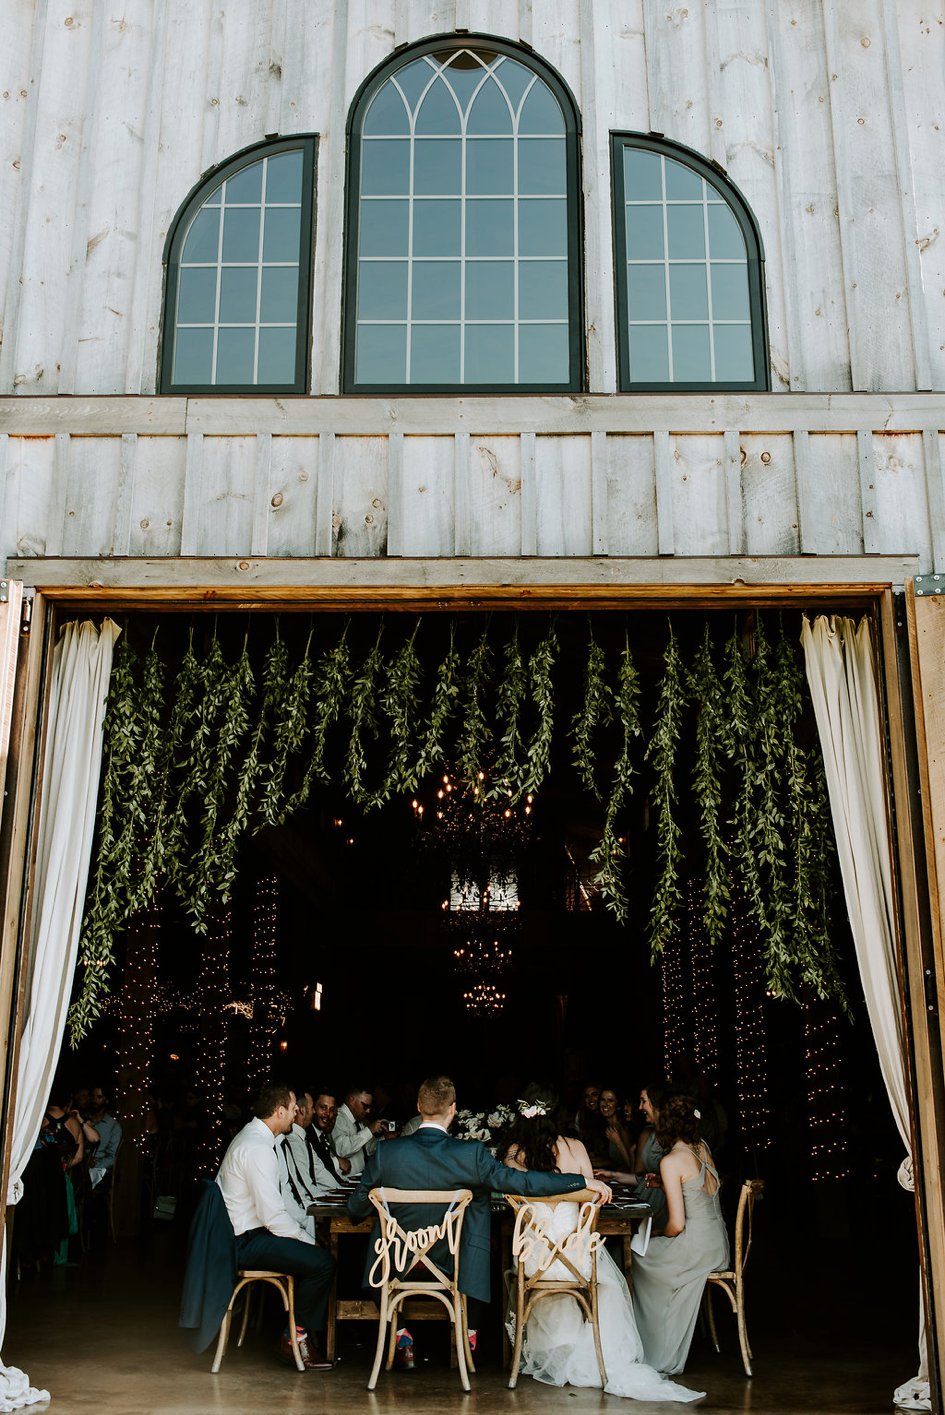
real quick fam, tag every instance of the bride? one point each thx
(559, 1344)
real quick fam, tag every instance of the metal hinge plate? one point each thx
(4, 591)
(929, 584)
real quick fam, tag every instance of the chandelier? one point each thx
(484, 1000)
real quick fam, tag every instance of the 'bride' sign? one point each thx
(532, 1242)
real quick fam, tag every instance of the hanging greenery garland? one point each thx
(195, 760)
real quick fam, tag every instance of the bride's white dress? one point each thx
(559, 1344)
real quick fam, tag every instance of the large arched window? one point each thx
(689, 268)
(239, 267)
(463, 253)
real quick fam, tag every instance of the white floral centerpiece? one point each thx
(485, 1126)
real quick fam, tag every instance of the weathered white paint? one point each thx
(830, 118)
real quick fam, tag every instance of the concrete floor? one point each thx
(104, 1339)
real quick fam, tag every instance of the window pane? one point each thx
(437, 166)
(279, 302)
(436, 226)
(385, 168)
(281, 239)
(647, 291)
(489, 228)
(383, 228)
(642, 175)
(464, 74)
(540, 111)
(438, 111)
(725, 235)
(241, 233)
(543, 354)
(193, 356)
(382, 289)
(649, 359)
(413, 79)
(490, 112)
(541, 166)
(434, 353)
(284, 177)
(543, 289)
(691, 353)
(197, 296)
(514, 78)
(237, 295)
(687, 292)
(489, 166)
(245, 185)
(203, 238)
(730, 292)
(490, 289)
(490, 353)
(682, 184)
(235, 355)
(381, 354)
(276, 356)
(645, 232)
(436, 290)
(543, 228)
(734, 360)
(387, 113)
(686, 231)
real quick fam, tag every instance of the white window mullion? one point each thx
(259, 268)
(216, 303)
(669, 307)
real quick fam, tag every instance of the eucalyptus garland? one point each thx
(195, 760)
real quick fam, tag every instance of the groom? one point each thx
(432, 1159)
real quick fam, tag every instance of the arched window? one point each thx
(463, 256)
(239, 276)
(689, 268)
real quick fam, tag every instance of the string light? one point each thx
(751, 1043)
(267, 1001)
(210, 998)
(135, 1010)
(705, 1006)
(829, 1148)
(675, 1009)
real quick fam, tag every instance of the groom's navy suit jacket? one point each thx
(431, 1159)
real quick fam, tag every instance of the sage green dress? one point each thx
(669, 1279)
(652, 1154)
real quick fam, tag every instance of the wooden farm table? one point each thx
(615, 1221)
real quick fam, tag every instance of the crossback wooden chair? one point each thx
(284, 1285)
(400, 1253)
(732, 1281)
(575, 1256)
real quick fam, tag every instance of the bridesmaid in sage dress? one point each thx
(669, 1279)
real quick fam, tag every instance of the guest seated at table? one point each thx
(617, 1137)
(559, 1344)
(643, 1172)
(298, 1183)
(356, 1135)
(266, 1235)
(588, 1123)
(319, 1137)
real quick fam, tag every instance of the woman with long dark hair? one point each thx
(559, 1344)
(669, 1279)
(644, 1172)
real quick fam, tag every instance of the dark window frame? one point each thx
(307, 143)
(754, 247)
(577, 358)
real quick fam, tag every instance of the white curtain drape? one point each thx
(81, 667)
(841, 671)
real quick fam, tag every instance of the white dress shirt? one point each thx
(295, 1181)
(352, 1139)
(249, 1181)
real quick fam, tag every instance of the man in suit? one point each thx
(318, 1136)
(432, 1159)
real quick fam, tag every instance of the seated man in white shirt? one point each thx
(303, 1177)
(266, 1234)
(355, 1135)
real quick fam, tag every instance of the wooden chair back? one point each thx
(732, 1280)
(558, 1267)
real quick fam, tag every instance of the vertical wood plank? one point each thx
(124, 500)
(325, 496)
(261, 494)
(867, 470)
(55, 525)
(8, 497)
(529, 495)
(190, 516)
(713, 83)
(598, 117)
(395, 494)
(808, 528)
(935, 492)
(732, 479)
(599, 493)
(461, 528)
(329, 228)
(141, 354)
(663, 463)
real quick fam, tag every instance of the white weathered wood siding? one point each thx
(830, 117)
(756, 475)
